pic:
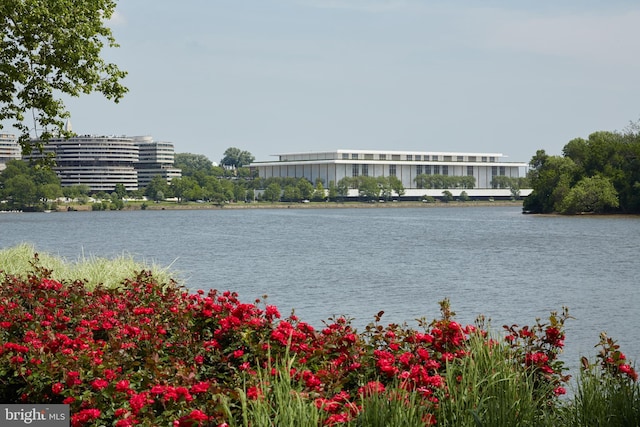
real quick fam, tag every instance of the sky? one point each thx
(279, 76)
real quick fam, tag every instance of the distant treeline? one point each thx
(600, 174)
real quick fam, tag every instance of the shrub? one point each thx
(150, 353)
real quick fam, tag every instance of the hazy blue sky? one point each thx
(274, 76)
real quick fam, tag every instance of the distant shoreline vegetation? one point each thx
(598, 175)
(169, 205)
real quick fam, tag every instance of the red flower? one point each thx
(84, 416)
(123, 386)
(200, 387)
(57, 388)
(559, 391)
(99, 384)
(253, 393)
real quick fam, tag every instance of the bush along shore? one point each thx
(145, 353)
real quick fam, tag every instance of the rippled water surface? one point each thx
(487, 260)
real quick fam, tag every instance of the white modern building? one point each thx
(155, 158)
(9, 149)
(102, 162)
(405, 165)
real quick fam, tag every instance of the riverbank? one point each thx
(139, 205)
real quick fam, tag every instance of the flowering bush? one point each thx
(155, 354)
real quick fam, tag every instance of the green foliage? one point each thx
(444, 181)
(236, 158)
(272, 192)
(447, 196)
(49, 48)
(146, 352)
(28, 187)
(93, 270)
(591, 194)
(190, 164)
(488, 389)
(599, 174)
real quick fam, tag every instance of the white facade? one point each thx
(100, 162)
(406, 165)
(155, 158)
(9, 149)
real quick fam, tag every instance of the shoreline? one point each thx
(311, 205)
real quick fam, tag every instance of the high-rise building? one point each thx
(102, 162)
(155, 158)
(9, 149)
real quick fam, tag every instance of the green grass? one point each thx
(19, 260)
(489, 388)
(602, 400)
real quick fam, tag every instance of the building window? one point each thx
(492, 159)
(436, 169)
(409, 157)
(365, 170)
(435, 158)
(383, 157)
(427, 169)
(472, 158)
(392, 170)
(345, 156)
(395, 157)
(484, 159)
(502, 170)
(354, 156)
(447, 158)
(419, 170)
(418, 157)
(461, 158)
(368, 156)
(355, 170)
(469, 170)
(494, 170)
(445, 170)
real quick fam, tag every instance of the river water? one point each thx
(494, 261)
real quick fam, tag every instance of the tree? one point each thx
(185, 188)
(28, 187)
(447, 196)
(595, 194)
(190, 164)
(396, 185)
(306, 188)
(291, 193)
(343, 187)
(551, 179)
(368, 188)
(272, 192)
(157, 189)
(120, 191)
(52, 48)
(318, 193)
(333, 191)
(236, 158)
(384, 186)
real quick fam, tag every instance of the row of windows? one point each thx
(424, 169)
(417, 157)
